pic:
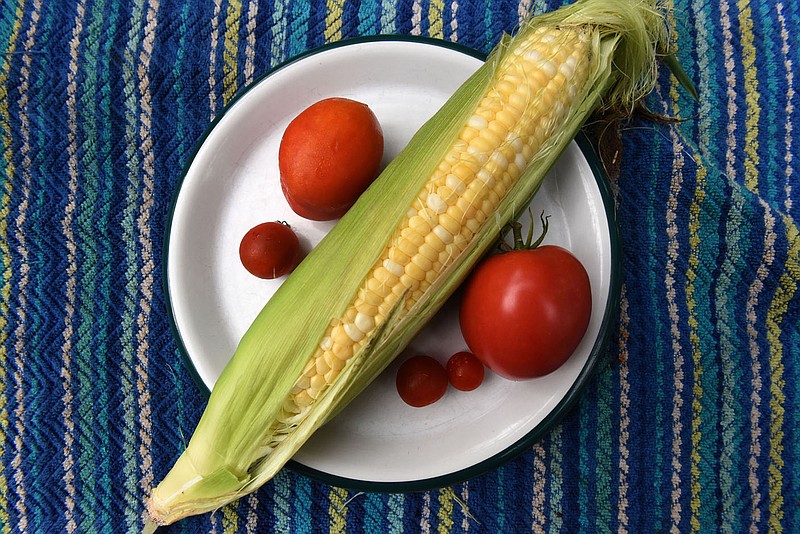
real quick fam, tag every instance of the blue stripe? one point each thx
(305, 506)
(298, 28)
(50, 275)
(131, 264)
(91, 488)
(648, 305)
(370, 509)
(104, 334)
(44, 320)
(368, 12)
(350, 12)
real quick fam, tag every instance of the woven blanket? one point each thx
(690, 423)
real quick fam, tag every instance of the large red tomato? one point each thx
(329, 154)
(524, 312)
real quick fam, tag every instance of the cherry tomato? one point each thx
(465, 371)
(328, 156)
(524, 312)
(421, 380)
(270, 250)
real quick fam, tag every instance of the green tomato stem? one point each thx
(529, 244)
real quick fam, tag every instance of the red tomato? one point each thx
(421, 380)
(328, 156)
(524, 312)
(270, 250)
(465, 371)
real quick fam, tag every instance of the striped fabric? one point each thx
(691, 424)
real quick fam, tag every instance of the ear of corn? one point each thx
(392, 261)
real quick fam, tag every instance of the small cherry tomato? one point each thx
(465, 371)
(329, 154)
(270, 250)
(421, 380)
(524, 312)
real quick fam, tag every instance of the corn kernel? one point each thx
(428, 251)
(343, 351)
(321, 365)
(436, 203)
(364, 322)
(422, 262)
(412, 235)
(420, 224)
(442, 233)
(383, 276)
(333, 362)
(413, 270)
(449, 223)
(393, 267)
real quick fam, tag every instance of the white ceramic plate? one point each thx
(231, 184)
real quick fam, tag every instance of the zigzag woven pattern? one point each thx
(692, 422)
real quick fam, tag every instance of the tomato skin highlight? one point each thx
(524, 312)
(465, 371)
(329, 154)
(421, 380)
(270, 250)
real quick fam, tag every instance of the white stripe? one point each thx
(755, 367)
(465, 521)
(416, 18)
(523, 9)
(454, 21)
(539, 481)
(252, 516)
(624, 415)
(790, 94)
(425, 517)
(212, 60)
(148, 266)
(68, 462)
(678, 358)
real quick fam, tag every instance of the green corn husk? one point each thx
(225, 458)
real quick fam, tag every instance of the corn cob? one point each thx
(409, 241)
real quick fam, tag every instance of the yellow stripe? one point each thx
(435, 19)
(784, 294)
(787, 281)
(694, 336)
(333, 20)
(337, 511)
(5, 203)
(446, 498)
(751, 97)
(691, 304)
(230, 55)
(230, 519)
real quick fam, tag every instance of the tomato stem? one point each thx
(528, 243)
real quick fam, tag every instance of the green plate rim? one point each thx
(565, 404)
